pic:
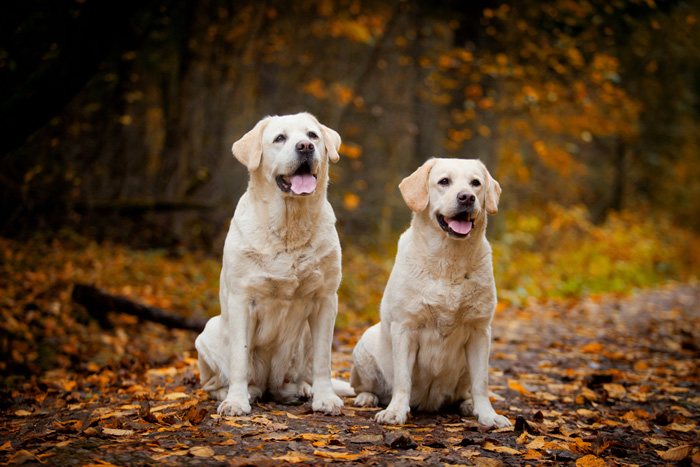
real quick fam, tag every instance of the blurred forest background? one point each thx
(118, 118)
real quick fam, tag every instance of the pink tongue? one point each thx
(460, 227)
(303, 184)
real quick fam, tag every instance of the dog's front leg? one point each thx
(321, 323)
(403, 349)
(237, 400)
(478, 348)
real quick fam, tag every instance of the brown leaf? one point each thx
(522, 425)
(400, 439)
(21, 457)
(487, 462)
(117, 432)
(678, 453)
(294, 457)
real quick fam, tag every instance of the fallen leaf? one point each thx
(21, 457)
(683, 428)
(294, 457)
(489, 446)
(516, 386)
(593, 347)
(615, 391)
(117, 432)
(537, 443)
(399, 440)
(487, 462)
(532, 455)
(678, 453)
(173, 396)
(201, 451)
(340, 455)
(590, 461)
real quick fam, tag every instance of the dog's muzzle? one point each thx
(458, 226)
(301, 182)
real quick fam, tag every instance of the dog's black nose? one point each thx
(305, 147)
(465, 198)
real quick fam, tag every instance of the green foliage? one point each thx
(559, 253)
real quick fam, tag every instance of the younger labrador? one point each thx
(431, 347)
(280, 274)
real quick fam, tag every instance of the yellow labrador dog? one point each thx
(431, 347)
(280, 274)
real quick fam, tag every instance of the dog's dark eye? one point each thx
(312, 135)
(476, 182)
(280, 138)
(444, 182)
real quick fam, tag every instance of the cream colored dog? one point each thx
(280, 274)
(431, 347)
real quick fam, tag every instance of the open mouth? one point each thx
(458, 226)
(301, 183)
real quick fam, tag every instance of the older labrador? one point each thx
(431, 347)
(280, 274)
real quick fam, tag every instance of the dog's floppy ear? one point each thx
(414, 188)
(493, 192)
(248, 149)
(332, 139)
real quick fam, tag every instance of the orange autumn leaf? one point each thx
(590, 461)
(593, 347)
(340, 455)
(516, 386)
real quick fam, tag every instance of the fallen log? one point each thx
(98, 303)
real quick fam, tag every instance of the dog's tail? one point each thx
(342, 388)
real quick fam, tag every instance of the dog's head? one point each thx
(455, 193)
(291, 151)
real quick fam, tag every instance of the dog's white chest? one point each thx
(284, 276)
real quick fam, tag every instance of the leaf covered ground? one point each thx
(603, 380)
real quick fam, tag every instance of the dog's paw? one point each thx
(466, 408)
(304, 390)
(366, 399)
(330, 404)
(392, 417)
(493, 419)
(234, 407)
(219, 394)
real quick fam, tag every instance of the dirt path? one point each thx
(608, 381)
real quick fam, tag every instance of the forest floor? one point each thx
(608, 380)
